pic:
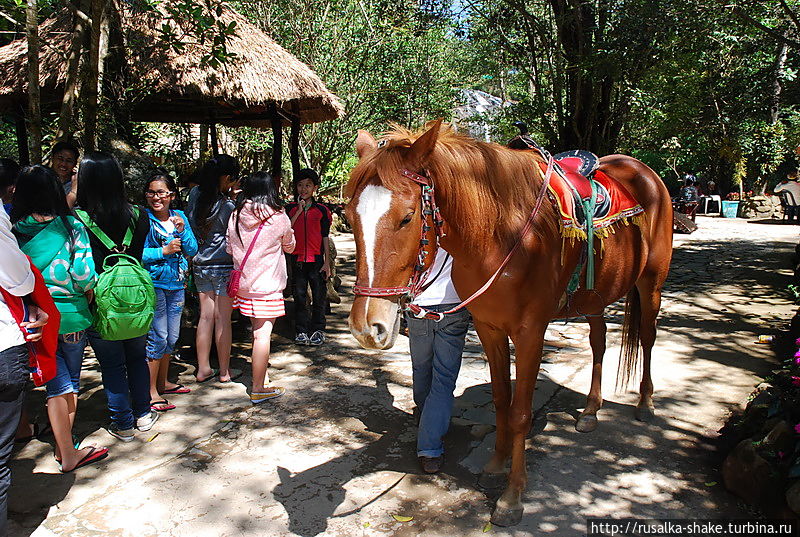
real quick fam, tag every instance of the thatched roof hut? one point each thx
(262, 80)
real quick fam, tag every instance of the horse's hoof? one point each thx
(645, 413)
(505, 516)
(491, 481)
(586, 423)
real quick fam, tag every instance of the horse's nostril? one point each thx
(379, 332)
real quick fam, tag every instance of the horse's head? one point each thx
(386, 215)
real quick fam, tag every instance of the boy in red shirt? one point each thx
(311, 223)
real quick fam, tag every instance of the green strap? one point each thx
(101, 235)
(588, 209)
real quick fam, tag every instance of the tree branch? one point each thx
(791, 13)
(763, 27)
(86, 19)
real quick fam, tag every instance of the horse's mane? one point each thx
(485, 191)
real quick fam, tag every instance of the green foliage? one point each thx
(389, 61)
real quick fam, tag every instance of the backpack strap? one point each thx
(83, 216)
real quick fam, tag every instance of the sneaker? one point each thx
(431, 465)
(317, 338)
(126, 435)
(269, 393)
(301, 339)
(146, 422)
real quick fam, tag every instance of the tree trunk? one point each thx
(34, 99)
(89, 89)
(294, 141)
(66, 126)
(777, 86)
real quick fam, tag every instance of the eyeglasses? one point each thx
(158, 194)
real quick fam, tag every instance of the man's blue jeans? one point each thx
(126, 378)
(436, 349)
(166, 323)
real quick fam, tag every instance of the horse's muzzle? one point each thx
(374, 322)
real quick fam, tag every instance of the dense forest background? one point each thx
(707, 86)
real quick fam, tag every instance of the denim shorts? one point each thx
(212, 279)
(166, 323)
(69, 358)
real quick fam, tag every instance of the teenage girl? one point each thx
(165, 249)
(210, 207)
(261, 232)
(101, 193)
(58, 244)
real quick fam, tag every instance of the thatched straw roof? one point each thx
(173, 87)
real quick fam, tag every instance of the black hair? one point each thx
(101, 192)
(9, 170)
(208, 185)
(689, 181)
(39, 191)
(307, 173)
(160, 174)
(258, 188)
(66, 146)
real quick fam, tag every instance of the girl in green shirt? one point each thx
(58, 244)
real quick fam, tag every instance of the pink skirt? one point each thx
(259, 308)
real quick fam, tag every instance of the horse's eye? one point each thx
(407, 219)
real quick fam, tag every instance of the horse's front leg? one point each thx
(528, 343)
(495, 344)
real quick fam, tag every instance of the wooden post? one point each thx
(294, 140)
(203, 140)
(22, 141)
(277, 147)
(214, 142)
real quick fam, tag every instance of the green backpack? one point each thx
(124, 298)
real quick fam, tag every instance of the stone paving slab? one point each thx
(335, 456)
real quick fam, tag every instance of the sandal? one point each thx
(161, 406)
(180, 388)
(268, 393)
(214, 373)
(95, 454)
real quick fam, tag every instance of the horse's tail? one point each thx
(629, 362)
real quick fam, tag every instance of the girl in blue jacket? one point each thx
(167, 244)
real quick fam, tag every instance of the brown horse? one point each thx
(486, 193)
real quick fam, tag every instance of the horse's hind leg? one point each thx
(587, 421)
(495, 344)
(650, 303)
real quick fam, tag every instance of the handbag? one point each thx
(236, 274)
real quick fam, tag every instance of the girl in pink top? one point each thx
(260, 220)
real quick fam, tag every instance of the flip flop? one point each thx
(235, 374)
(214, 373)
(94, 455)
(180, 388)
(161, 406)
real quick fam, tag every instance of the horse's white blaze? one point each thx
(373, 203)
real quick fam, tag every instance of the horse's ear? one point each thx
(364, 142)
(423, 146)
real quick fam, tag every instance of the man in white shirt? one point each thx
(18, 280)
(791, 186)
(436, 348)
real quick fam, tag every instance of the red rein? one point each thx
(429, 208)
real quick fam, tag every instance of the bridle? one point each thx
(430, 210)
(431, 218)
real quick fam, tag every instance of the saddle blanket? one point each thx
(568, 188)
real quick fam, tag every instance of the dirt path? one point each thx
(335, 456)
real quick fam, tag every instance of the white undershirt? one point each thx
(168, 225)
(441, 291)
